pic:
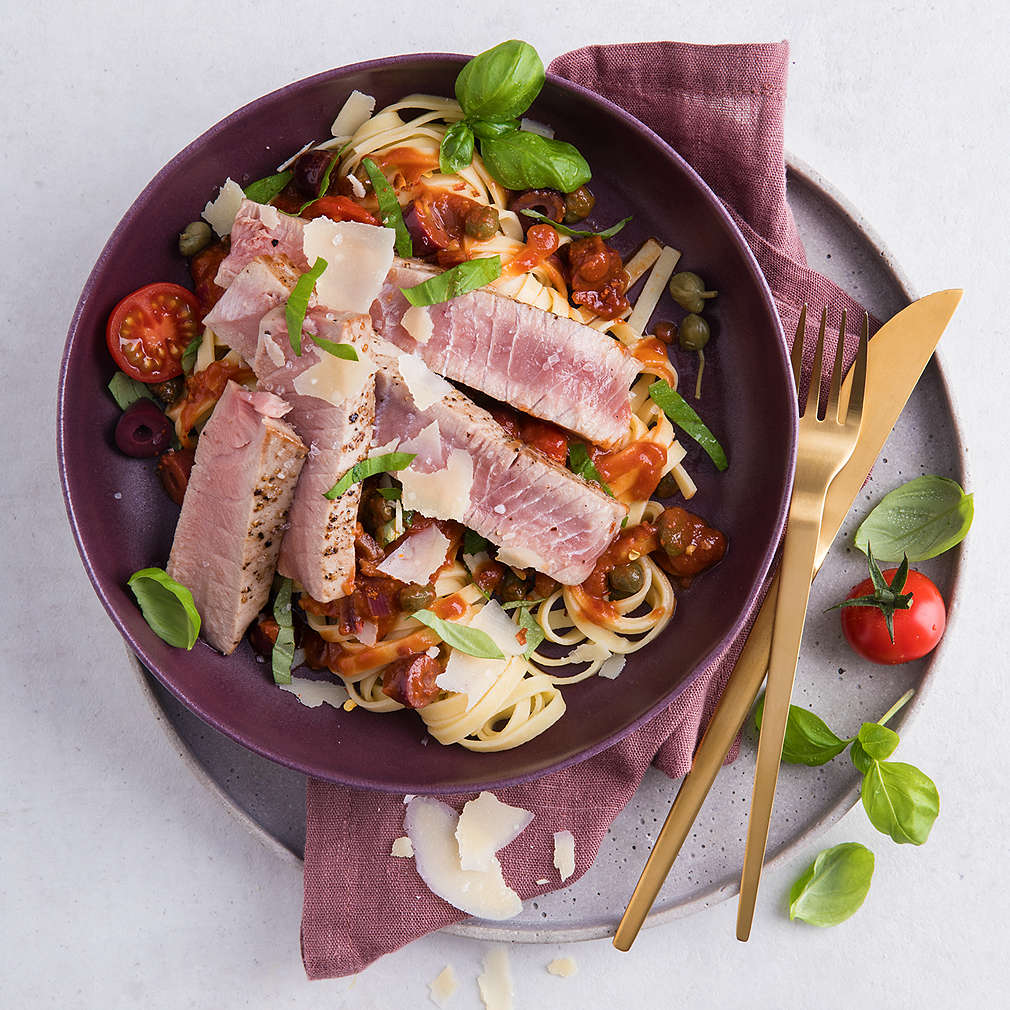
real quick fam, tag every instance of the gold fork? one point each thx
(823, 448)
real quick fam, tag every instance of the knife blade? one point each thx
(898, 353)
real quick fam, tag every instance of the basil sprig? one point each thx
(834, 886)
(283, 653)
(683, 415)
(265, 189)
(472, 641)
(493, 90)
(920, 519)
(126, 391)
(298, 302)
(390, 462)
(459, 280)
(345, 351)
(389, 208)
(167, 606)
(580, 462)
(575, 232)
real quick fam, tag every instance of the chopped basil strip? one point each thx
(833, 886)
(283, 652)
(298, 303)
(456, 150)
(345, 351)
(534, 633)
(473, 543)
(391, 493)
(264, 190)
(680, 412)
(167, 607)
(126, 391)
(188, 360)
(459, 636)
(579, 462)
(524, 160)
(574, 232)
(391, 462)
(457, 281)
(389, 208)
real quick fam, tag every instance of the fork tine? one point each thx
(859, 374)
(797, 352)
(832, 412)
(815, 374)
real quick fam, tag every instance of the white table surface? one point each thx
(124, 882)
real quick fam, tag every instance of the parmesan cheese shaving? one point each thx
(335, 380)
(402, 848)
(358, 257)
(493, 620)
(220, 212)
(431, 826)
(588, 652)
(444, 494)
(270, 216)
(495, 982)
(274, 353)
(424, 386)
(518, 557)
(354, 113)
(470, 676)
(612, 667)
(485, 826)
(418, 557)
(313, 693)
(442, 988)
(417, 322)
(563, 967)
(428, 449)
(653, 290)
(564, 853)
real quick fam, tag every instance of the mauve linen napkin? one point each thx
(721, 108)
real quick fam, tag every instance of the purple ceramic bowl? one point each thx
(123, 521)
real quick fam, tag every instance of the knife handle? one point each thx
(729, 716)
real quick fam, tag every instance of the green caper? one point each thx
(579, 204)
(513, 588)
(626, 580)
(197, 236)
(667, 487)
(415, 597)
(688, 291)
(482, 223)
(693, 333)
(168, 391)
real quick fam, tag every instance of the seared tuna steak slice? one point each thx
(260, 230)
(553, 368)
(232, 522)
(336, 425)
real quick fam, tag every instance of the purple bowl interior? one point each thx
(123, 521)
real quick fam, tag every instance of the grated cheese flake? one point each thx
(402, 848)
(444, 494)
(358, 257)
(418, 557)
(485, 826)
(220, 212)
(354, 113)
(495, 982)
(417, 322)
(442, 988)
(612, 667)
(313, 693)
(563, 967)
(335, 380)
(424, 386)
(564, 853)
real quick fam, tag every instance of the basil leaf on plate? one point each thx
(834, 886)
(391, 493)
(389, 208)
(282, 655)
(298, 302)
(485, 129)
(534, 633)
(579, 462)
(473, 543)
(345, 351)
(126, 391)
(900, 800)
(167, 607)
(454, 282)
(456, 150)
(524, 160)
(923, 518)
(265, 189)
(502, 82)
(683, 415)
(469, 640)
(878, 742)
(391, 462)
(188, 360)
(575, 232)
(860, 758)
(808, 739)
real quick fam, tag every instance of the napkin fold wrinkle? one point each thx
(722, 109)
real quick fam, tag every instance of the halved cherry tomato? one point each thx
(149, 329)
(339, 208)
(916, 630)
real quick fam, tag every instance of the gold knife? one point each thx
(899, 351)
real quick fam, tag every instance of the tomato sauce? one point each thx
(551, 440)
(632, 472)
(407, 162)
(541, 241)
(629, 546)
(652, 353)
(203, 390)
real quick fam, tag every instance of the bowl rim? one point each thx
(782, 360)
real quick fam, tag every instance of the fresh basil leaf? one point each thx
(487, 130)
(264, 190)
(860, 758)
(473, 543)
(502, 82)
(469, 640)
(391, 462)
(167, 607)
(391, 493)
(808, 739)
(574, 232)
(579, 462)
(389, 208)
(456, 150)
(345, 351)
(834, 886)
(683, 415)
(454, 282)
(524, 160)
(126, 391)
(188, 360)
(900, 801)
(878, 742)
(534, 633)
(298, 303)
(282, 655)
(920, 519)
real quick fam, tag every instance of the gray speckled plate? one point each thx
(269, 799)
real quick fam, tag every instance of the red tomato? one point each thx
(149, 329)
(916, 630)
(339, 208)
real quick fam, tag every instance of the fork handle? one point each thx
(799, 552)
